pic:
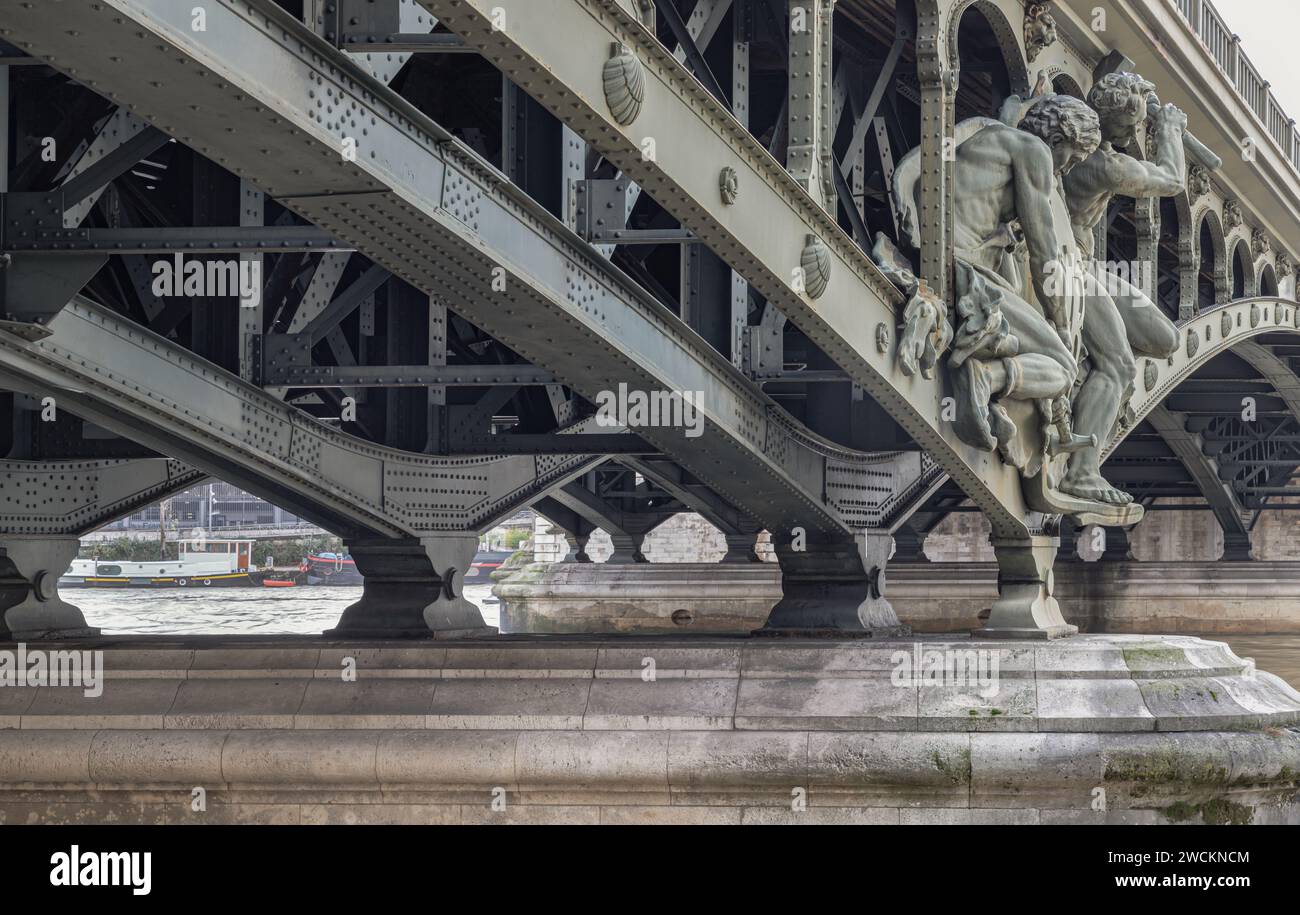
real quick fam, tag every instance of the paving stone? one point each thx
(683, 704)
(512, 703)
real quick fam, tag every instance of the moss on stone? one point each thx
(957, 770)
(1154, 658)
(1167, 766)
(1218, 811)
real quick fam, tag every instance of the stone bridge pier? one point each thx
(413, 589)
(49, 505)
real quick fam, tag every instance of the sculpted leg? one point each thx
(1043, 370)
(1149, 330)
(1100, 398)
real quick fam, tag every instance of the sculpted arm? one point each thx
(1034, 185)
(1118, 173)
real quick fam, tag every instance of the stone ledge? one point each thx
(1193, 597)
(566, 730)
(1112, 683)
(402, 776)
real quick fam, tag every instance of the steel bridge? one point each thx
(464, 222)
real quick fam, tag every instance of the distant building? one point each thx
(211, 507)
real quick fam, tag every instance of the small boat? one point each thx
(331, 569)
(341, 569)
(278, 583)
(486, 562)
(199, 564)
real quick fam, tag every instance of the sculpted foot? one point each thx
(1094, 488)
(1004, 429)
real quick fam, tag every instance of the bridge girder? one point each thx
(109, 370)
(762, 235)
(440, 218)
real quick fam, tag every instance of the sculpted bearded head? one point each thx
(1040, 29)
(1068, 126)
(1121, 103)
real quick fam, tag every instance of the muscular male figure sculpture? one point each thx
(1120, 319)
(1005, 175)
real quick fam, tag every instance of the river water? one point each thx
(308, 609)
(313, 609)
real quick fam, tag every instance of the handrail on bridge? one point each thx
(1209, 25)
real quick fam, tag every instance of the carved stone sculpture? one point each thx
(1198, 182)
(1121, 319)
(1040, 30)
(1013, 335)
(1260, 246)
(1231, 215)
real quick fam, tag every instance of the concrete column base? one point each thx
(1236, 549)
(413, 590)
(834, 589)
(30, 605)
(741, 548)
(1026, 607)
(1118, 546)
(627, 548)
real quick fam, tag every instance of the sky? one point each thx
(1268, 30)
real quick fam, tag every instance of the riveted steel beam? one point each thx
(76, 497)
(399, 376)
(1228, 327)
(114, 373)
(762, 234)
(1204, 470)
(439, 217)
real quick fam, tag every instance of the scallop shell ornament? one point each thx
(816, 264)
(624, 85)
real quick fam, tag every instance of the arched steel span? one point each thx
(441, 218)
(1229, 327)
(1224, 328)
(111, 371)
(768, 225)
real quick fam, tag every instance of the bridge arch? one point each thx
(1065, 84)
(974, 19)
(1268, 281)
(1212, 261)
(1243, 271)
(1176, 257)
(1227, 327)
(1216, 330)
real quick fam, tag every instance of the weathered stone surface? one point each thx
(366, 703)
(1194, 597)
(142, 757)
(1153, 729)
(124, 704)
(446, 758)
(236, 703)
(673, 704)
(832, 703)
(525, 703)
(595, 597)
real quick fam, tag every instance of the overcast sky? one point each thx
(1269, 30)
